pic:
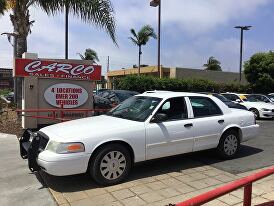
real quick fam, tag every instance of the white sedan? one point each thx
(260, 109)
(147, 126)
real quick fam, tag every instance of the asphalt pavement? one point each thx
(254, 154)
(18, 186)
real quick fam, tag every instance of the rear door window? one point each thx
(204, 107)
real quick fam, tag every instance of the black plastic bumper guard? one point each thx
(29, 149)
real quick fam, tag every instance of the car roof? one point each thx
(169, 94)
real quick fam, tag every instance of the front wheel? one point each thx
(110, 165)
(255, 112)
(229, 145)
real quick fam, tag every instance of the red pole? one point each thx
(247, 195)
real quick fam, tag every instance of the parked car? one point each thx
(262, 98)
(260, 109)
(10, 96)
(144, 127)
(110, 98)
(228, 102)
(271, 96)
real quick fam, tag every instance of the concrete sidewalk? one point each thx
(17, 185)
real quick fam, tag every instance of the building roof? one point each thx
(169, 94)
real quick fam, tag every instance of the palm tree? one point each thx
(91, 55)
(213, 64)
(141, 38)
(97, 12)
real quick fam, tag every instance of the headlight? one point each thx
(266, 110)
(64, 148)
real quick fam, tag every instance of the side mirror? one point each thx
(238, 100)
(158, 118)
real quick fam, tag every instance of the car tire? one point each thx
(229, 144)
(110, 165)
(255, 112)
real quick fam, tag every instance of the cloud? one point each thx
(192, 31)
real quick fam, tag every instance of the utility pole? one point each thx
(108, 64)
(157, 3)
(66, 29)
(242, 28)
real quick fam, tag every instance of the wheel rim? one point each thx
(230, 145)
(113, 165)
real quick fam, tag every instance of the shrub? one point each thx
(146, 83)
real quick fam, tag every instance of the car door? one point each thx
(208, 123)
(173, 136)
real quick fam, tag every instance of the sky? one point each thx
(192, 31)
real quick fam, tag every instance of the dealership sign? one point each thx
(66, 95)
(57, 70)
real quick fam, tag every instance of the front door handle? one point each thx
(189, 125)
(221, 121)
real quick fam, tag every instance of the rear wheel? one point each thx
(255, 112)
(110, 165)
(229, 144)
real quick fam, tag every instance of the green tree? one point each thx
(96, 12)
(91, 55)
(259, 71)
(213, 64)
(141, 38)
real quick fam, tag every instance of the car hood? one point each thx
(259, 105)
(77, 130)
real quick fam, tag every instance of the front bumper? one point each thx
(266, 114)
(32, 147)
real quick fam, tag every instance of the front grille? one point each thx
(43, 140)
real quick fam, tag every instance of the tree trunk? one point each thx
(139, 60)
(21, 27)
(21, 45)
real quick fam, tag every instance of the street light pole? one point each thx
(242, 28)
(66, 29)
(157, 3)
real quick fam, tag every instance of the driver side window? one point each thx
(174, 108)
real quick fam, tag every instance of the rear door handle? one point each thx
(221, 121)
(189, 125)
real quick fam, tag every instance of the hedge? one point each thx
(146, 83)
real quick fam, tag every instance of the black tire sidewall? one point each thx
(255, 111)
(94, 167)
(220, 148)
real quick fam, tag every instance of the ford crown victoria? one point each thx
(144, 127)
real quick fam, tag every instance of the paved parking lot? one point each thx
(174, 179)
(157, 182)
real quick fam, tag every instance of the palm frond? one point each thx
(134, 41)
(81, 56)
(3, 6)
(98, 12)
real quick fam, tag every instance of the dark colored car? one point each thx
(10, 97)
(110, 98)
(229, 103)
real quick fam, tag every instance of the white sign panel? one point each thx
(68, 95)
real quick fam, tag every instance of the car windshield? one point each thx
(122, 96)
(136, 108)
(250, 99)
(270, 97)
(221, 97)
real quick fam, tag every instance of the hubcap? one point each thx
(230, 145)
(113, 165)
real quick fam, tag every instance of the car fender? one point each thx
(230, 126)
(114, 140)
